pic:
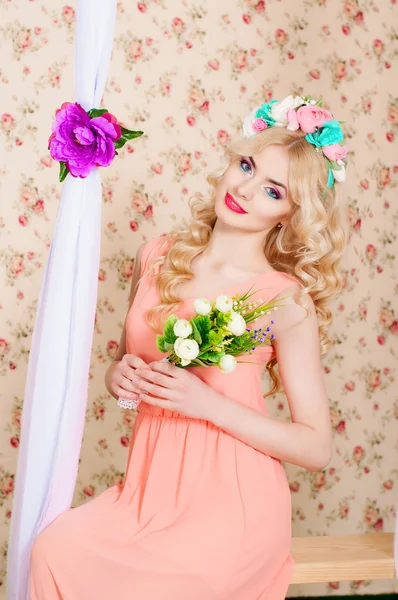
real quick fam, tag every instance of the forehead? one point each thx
(273, 161)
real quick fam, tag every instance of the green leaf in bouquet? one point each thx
(168, 332)
(197, 362)
(212, 356)
(216, 337)
(160, 344)
(196, 333)
(237, 345)
(222, 319)
(203, 324)
(168, 346)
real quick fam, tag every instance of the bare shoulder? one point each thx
(296, 312)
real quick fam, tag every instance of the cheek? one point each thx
(268, 208)
(227, 180)
(232, 176)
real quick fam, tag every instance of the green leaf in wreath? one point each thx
(169, 335)
(63, 171)
(96, 112)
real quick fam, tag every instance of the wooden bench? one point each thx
(343, 558)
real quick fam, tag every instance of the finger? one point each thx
(155, 390)
(157, 378)
(134, 361)
(166, 368)
(121, 393)
(161, 402)
(129, 372)
(127, 384)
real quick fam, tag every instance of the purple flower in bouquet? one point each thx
(83, 140)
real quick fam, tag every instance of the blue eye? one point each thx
(245, 166)
(272, 193)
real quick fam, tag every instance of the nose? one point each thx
(245, 189)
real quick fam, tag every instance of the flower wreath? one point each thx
(302, 112)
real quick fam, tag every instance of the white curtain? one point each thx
(57, 378)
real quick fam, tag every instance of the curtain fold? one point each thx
(57, 377)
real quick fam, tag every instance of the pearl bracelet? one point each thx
(129, 404)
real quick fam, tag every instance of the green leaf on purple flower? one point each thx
(96, 112)
(63, 171)
(126, 136)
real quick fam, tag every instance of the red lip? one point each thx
(233, 205)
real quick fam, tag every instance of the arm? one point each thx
(307, 440)
(121, 351)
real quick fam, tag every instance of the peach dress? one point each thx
(200, 515)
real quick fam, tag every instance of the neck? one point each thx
(239, 250)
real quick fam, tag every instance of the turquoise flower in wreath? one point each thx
(329, 133)
(264, 112)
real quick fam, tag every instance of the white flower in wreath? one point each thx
(280, 109)
(340, 174)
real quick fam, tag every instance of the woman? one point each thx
(204, 512)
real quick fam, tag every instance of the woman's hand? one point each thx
(123, 373)
(176, 389)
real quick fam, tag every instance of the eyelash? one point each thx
(277, 193)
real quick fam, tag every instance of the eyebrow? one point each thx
(278, 183)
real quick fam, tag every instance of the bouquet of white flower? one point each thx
(217, 333)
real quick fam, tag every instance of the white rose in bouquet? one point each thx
(202, 306)
(227, 363)
(187, 350)
(237, 324)
(182, 328)
(224, 303)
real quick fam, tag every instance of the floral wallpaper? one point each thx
(187, 73)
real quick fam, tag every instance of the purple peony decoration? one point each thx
(83, 140)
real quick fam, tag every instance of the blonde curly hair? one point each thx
(309, 247)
